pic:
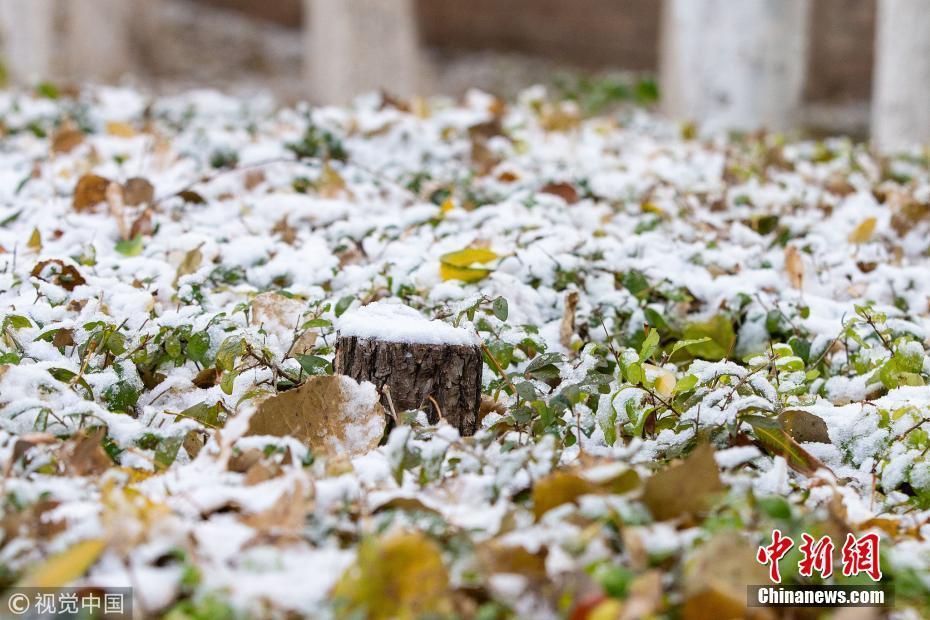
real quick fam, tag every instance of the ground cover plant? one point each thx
(688, 343)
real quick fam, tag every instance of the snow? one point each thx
(394, 322)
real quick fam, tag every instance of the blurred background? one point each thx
(821, 52)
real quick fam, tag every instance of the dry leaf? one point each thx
(281, 316)
(864, 231)
(567, 326)
(138, 191)
(288, 233)
(794, 267)
(559, 487)
(62, 569)
(685, 488)
(565, 191)
(332, 414)
(190, 263)
(804, 426)
(66, 139)
(83, 454)
(400, 577)
(120, 129)
(91, 190)
(35, 241)
(330, 184)
(716, 576)
(57, 272)
(285, 517)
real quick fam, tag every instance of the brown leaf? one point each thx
(332, 414)
(794, 267)
(57, 272)
(66, 139)
(285, 517)
(288, 233)
(138, 191)
(685, 488)
(83, 454)
(192, 197)
(715, 580)
(804, 426)
(565, 191)
(206, 378)
(281, 316)
(63, 338)
(559, 487)
(567, 326)
(91, 190)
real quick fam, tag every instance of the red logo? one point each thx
(859, 555)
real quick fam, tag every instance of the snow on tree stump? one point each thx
(414, 362)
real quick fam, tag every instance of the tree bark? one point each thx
(901, 88)
(418, 374)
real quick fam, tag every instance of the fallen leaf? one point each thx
(565, 191)
(35, 241)
(804, 426)
(60, 570)
(461, 265)
(864, 231)
(559, 487)
(90, 191)
(684, 488)
(120, 129)
(285, 517)
(777, 442)
(715, 579)
(56, 272)
(280, 316)
(138, 191)
(567, 326)
(331, 184)
(794, 267)
(189, 264)
(401, 576)
(66, 139)
(83, 454)
(332, 414)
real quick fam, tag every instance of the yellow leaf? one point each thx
(60, 570)
(461, 265)
(794, 267)
(559, 488)
(863, 232)
(330, 184)
(401, 576)
(35, 241)
(447, 205)
(665, 382)
(684, 488)
(120, 129)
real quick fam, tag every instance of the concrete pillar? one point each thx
(734, 64)
(901, 83)
(27, 36)
(356, 46)
(71, 40)
(99, 45)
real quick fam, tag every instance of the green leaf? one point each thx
(683, 344)
(230, 350)
(17, 321)
(719, 335)
(650, 344)
(343, 304)
(167, 451)
(198, 346)
(228, 381)
(314, 364)
(500, 308)
(122, 396)
(778, 442)
(317, 323)
(131, 247)
(202, 412)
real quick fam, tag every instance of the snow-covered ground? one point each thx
(166, 266)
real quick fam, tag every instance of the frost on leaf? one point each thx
(334, 415)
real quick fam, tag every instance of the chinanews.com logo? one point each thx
(858, 556)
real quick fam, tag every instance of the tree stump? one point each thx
(427, 365)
